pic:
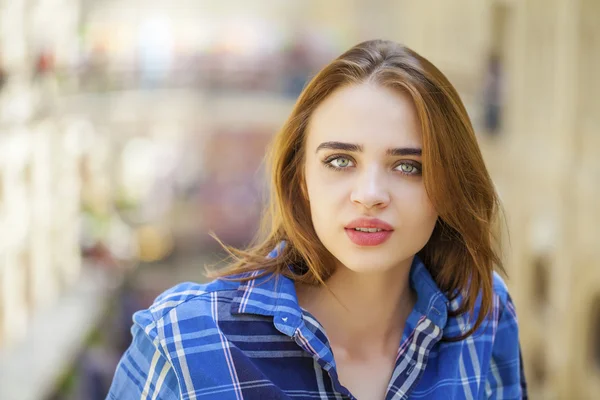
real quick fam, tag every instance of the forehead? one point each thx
(366, 114)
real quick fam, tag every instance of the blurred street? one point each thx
(130, 130)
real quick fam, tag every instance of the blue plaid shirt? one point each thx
(251, 340)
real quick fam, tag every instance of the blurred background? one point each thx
(129, 129)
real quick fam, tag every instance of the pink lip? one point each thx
(369, 223)
(368, 238)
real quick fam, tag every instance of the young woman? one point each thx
(376, 278)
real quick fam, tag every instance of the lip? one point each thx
(369, 223)
(368, 238)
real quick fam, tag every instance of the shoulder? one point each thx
(501, 312)
(500, 288)
(503, 306)
(501, 322)
(187, 302)
(506, 377)
(178, 325)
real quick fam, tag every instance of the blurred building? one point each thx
(39, 163)
(527, 72)
(53, 172)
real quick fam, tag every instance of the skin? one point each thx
(365, 323)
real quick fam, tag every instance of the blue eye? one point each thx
(408, 168)
(338, 162)
(341, 162)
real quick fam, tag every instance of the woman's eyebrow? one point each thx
(404, 151)
(399, 151)
(340, 146)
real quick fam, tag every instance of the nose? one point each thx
(371, 189)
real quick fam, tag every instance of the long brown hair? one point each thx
(461, 253)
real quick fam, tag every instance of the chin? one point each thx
(372, 262)
(368, 269)
(373, 259)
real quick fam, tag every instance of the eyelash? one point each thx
(328, 160)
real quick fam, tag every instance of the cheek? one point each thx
(323, 188)
(311, 184)
(315, 192)
(324, 198)
(320, 200)
(421, 212)
(428, 208)
(429, 215)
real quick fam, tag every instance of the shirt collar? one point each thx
(275, 295)
(431, 301)
(269, 295)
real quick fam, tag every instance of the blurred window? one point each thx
(495, 85)
(538, 367)
(540, 282)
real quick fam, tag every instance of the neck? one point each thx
(362, 310)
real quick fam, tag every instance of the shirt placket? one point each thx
(322, 353)
(412, 359)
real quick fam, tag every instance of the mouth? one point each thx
(362, 238)
(368, 231)
(369, 225)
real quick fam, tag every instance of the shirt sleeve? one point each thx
(506, 378)
(143, 371)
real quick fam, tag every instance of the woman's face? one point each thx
(363, 170)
